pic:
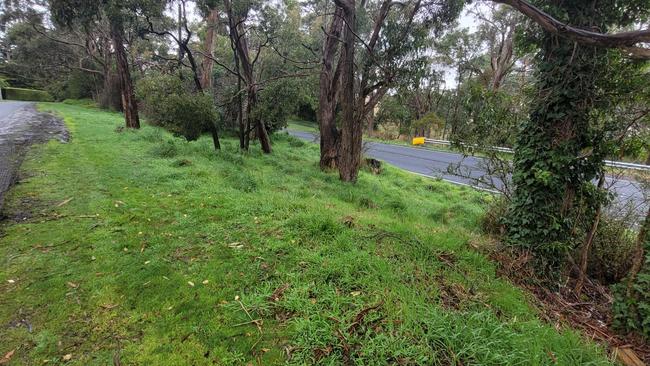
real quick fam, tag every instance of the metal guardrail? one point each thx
(610, 163)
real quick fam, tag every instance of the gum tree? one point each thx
(120, 15)
(385, 40)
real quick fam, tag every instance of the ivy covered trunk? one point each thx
(560, 148)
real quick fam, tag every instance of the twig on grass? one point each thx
(257, 322)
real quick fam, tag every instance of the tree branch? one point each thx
(623, 40)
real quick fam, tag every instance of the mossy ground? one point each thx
(135, 245)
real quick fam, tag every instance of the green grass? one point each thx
(107, 232)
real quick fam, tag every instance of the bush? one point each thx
(31, 95)
(632, 314)
(611, 253)
(295, 142)
(166, 149)
(277, 101)
(631, 308)
(491, 222)
(170, 104)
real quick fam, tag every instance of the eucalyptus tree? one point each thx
(120, 14)
(211, 12)
(238, 13)
(497, 30)
(390, 39)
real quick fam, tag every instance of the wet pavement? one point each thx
(21, 125)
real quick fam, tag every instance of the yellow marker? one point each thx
(418, 141)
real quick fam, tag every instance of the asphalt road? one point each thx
(21, 125)
(434, 164)
(7, 108)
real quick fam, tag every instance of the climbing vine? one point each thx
(561, 146)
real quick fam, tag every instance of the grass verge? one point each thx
(141, 247)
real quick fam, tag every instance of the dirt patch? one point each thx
(19, 130)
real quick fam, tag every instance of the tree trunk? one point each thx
(501, 62)
(349, 157)
(129, 103)
(371, 124)
(238, 37)
(206, 65)
(328, 94)
(215, 136)
(260, 128)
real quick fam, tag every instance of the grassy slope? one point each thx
(108, 272)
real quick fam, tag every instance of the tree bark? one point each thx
(129, 103)
(206, 65)
(501, 61)
(349, 157)
(371, 124)
(238, 36)
(328, 96)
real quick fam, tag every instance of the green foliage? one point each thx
(492, 116)
(429, 121)
(631, 306)
(88, 103)
(74, 85)
(3, 83)
(393, 111)
(610, 257)
(118, 258)
(491, 222)
(169, 103)
(27, 95)
(167, 149)
(632, 313)
(277, 101)
(560, 148)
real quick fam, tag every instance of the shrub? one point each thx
(632, 314)
(295, 142)
(277, 101)
(491, 222)
(31, 95)
(631, 308)
(167, 149)
(611, 253)
(169, 103)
